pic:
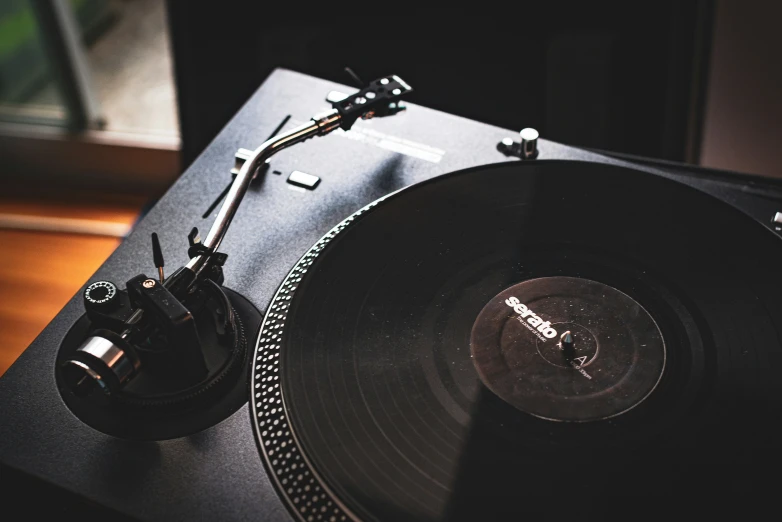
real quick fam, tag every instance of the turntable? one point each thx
(417, 317)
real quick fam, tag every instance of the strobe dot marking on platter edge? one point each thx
(306, 493)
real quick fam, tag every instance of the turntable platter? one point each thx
(407, 369)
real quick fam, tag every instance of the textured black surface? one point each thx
(383, 410)
(217, 473)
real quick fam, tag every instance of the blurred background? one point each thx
(104, 103)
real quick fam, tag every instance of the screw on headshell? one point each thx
(157, 257)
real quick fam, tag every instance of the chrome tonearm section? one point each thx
(317, 126)
(151, 326)
(379, 98)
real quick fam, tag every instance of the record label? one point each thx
(567, 349)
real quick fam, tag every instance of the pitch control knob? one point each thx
(101, 295)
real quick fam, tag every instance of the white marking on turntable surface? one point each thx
(389, 142)
(393, 143)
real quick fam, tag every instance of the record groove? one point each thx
(368, 404)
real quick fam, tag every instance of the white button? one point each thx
(302, 179)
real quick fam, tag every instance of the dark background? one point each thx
(621, 76)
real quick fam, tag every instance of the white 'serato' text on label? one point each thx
(542, 326)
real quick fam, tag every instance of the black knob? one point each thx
(101, 295)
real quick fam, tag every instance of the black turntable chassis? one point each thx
(218, 473)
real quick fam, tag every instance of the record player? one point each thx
(417, 317)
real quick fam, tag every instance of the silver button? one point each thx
(529, 143)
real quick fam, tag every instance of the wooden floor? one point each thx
(41, 271)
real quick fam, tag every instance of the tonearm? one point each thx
(151, 323)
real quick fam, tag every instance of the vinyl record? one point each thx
(414, 364)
